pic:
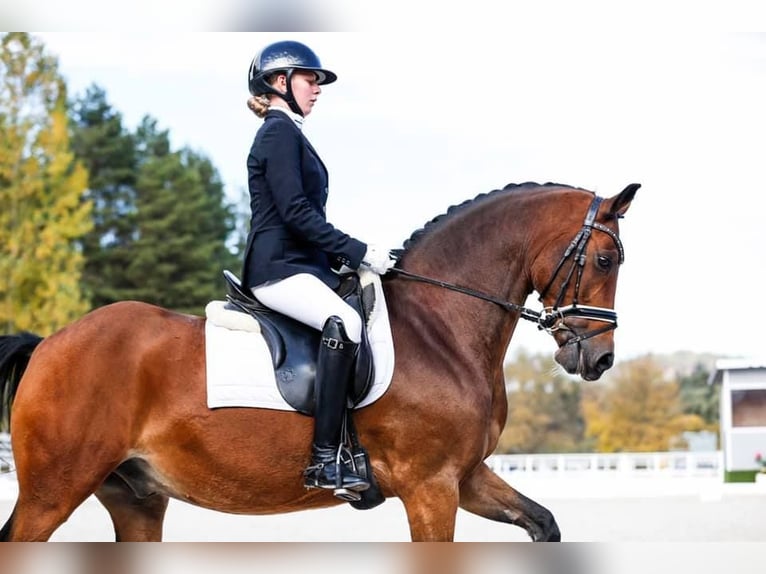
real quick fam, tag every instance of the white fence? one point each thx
(569, 476)
(6, 457)
(619, 465)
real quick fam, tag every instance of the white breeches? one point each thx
(307, 299)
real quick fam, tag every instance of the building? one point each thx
(743, 415)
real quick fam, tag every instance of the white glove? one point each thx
(378, 260)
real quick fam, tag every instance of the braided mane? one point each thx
(455, 209)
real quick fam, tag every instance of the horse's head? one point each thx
(577, 281)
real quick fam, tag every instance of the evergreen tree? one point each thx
(181, 224)
(699, 398)
(108, 150)
(222, 224)
(43, 214)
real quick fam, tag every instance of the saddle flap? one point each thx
(251, 306)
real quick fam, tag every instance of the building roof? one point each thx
(722, 365)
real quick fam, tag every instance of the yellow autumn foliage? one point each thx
(637, 410)
(43, 211)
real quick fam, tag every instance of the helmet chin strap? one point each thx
(288, 95)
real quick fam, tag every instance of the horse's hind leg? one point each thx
(49, 491)
(57, 470)
(486, 494)
(135, 519)
(35, 519)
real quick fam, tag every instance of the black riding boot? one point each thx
(335, 364)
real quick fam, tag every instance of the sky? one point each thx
(418, 122)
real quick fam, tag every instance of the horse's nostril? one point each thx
(605, 362)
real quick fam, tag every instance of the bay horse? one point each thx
(114, 403)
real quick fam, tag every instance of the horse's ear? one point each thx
(620, 203)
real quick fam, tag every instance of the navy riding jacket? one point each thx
(289, 232)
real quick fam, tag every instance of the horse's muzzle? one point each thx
(589, 359)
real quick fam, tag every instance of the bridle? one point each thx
(551, 319)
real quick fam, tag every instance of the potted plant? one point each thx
(760, 476)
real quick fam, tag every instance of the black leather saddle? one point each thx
(294, 346)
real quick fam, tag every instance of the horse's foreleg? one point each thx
(487, 495)
(135, 519)
(431, 510)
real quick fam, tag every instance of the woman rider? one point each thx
(292, 249)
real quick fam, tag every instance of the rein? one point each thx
(551, 319)
(525, 312)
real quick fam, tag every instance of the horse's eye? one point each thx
(604, 262)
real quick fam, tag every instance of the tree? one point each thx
(699, 398)
(543, 408)
(638, 410)
(43, 212)
(181, 225)
(108, 150)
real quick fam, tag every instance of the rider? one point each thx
(292, 249)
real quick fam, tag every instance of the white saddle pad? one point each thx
(238, 362)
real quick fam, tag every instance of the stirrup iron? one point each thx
(347, 495)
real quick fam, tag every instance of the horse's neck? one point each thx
(493, 263)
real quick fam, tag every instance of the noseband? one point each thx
(551, 319)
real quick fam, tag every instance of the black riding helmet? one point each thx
(285, 56)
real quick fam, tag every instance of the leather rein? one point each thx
(551, 319)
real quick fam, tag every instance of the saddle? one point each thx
(294, 345)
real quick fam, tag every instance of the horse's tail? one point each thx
(15, 351)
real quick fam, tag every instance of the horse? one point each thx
(113, 404)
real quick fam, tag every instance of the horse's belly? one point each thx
(251, 461)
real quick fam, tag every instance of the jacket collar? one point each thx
(297, 119)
